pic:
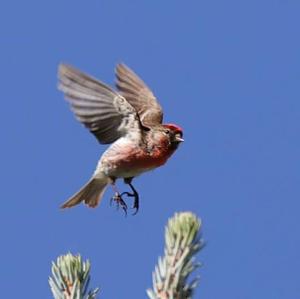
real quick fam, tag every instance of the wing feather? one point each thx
(101, 109)
(139, 95)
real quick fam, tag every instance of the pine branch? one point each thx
(70, 278)
(182, 242)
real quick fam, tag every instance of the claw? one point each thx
(136, 203)
(133, 194)
(118, 198)
(136, 199)
(119, 201)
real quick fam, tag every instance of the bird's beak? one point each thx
(178, 138)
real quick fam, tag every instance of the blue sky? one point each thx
(226, 71)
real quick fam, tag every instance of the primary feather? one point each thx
(106, 113)
(138, 94)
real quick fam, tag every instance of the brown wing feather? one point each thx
(138, 94)
(101, 109)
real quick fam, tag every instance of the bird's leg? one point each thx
(136, 203)
(118, 197)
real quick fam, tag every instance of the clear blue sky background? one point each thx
(227, 71)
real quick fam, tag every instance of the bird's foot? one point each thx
(136, 203)
(133, 194)
(119, 201)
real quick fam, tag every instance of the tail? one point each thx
(91, 194)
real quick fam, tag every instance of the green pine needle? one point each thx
(70, 278)
(182, 242)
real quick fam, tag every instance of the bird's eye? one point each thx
(167, 132)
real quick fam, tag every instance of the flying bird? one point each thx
(130, 119)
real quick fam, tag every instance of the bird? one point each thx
(130, 119)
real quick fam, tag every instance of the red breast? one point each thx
(141, 158)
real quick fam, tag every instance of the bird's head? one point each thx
(174, 133)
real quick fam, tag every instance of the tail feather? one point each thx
(91, 194)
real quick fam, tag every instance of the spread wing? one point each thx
(138, 94)
(101, 109)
